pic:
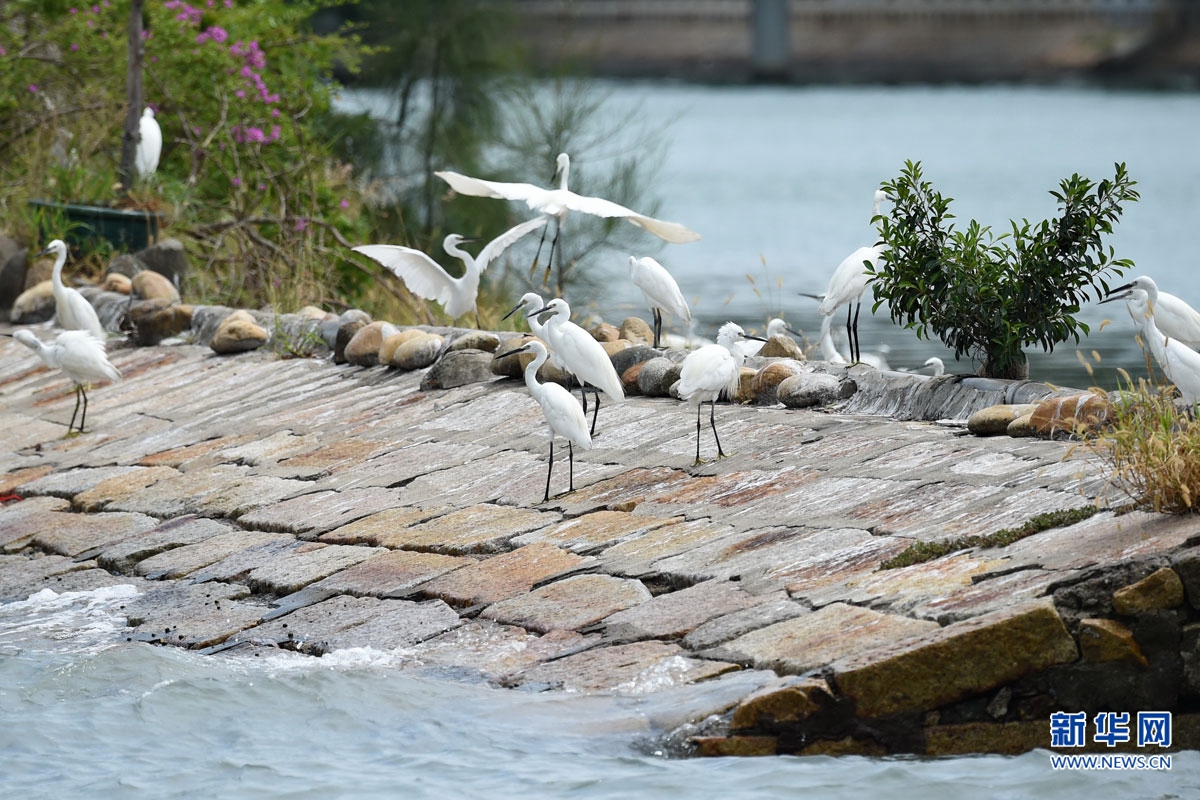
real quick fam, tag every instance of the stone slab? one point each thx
(382, 529)
(296, 567)
(21, 576)
(569, 604)
(594, 531)
(502, 576)
(121, 486)
(186, 560)
(637, 668)
(16, 479)
(189, 615)
(640, 556)
(309, 515)
(675, 614)
(20, 522)
(394, 573)
(482, 528)
(74, 481)
(177, 532)
(73, 534)
(772, 608)
(484, 649)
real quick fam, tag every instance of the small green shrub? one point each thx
(989, 296)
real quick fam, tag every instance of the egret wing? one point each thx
(477, 187)
(599, 207)
(421, 274)
(505, 240)
(81, 355)
(584, 356)
(74, 312)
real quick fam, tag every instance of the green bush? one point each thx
(990, 296)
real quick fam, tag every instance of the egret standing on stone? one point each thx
(1180, 363)
(73, 312)
(775, 327)
(563, 415)
(81, 356)
(425, 277)
(711, 371)
(556, 203)
(581, 355)
(149, 147)
(660, 290)
(1174, 317)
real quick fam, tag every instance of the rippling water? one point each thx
(778, 180)
(83, 714)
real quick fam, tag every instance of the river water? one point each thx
(84, 714)
(778, 181)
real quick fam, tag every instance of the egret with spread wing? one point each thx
(425, 277)
(80, 355)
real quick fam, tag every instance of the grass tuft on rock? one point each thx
(927, 551)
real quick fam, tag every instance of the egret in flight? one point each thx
(80, 355)
(1180, 363)
(563, 415)
(425, 277)
(660, 290)
(1174, 317)
(73, 312)
(149, 147)
(581, 355)
(558, 202)
(713, 370)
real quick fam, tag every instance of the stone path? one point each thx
(262, 502)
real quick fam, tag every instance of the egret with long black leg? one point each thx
(563, 415)
(425, 277)
(556, 203)
(1180, 363)
(72, 311)
(1174, 317)
(660, 290)
(81, 356)
(581, 355)
(711, 371)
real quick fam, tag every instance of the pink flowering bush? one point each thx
(239, 88)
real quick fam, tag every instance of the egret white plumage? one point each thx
(556, 203)
(149, 147)
(80, 355)
(1180, 363)
(581, 355)
(934, 366)
(775, 327)
(711, 371)
(829, 350)
(71, 310)
(660, 290)
(531, 303)
(563, 415)
(878, 359)
(1174, 317)
(425, 277)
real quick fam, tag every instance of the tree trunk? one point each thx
(133, 99)
(1006, 367)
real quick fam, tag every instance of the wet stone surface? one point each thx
(248, 501)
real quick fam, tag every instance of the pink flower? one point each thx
(3, 52)
(95, 9)
(229, 3)
(33, 88)
(74, 47)
(240, 93)
(262, 187)
(218, 34)
(237, 181)
(301, 224)
(74, 10)
(274, 112)
(345, 203)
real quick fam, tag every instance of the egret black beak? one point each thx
(514, 310)
(755, 338)
(45, 252)
(1114, 297)
(539, 312)
(522, 349)
(792, 331)
(470, 239)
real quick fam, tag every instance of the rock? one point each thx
(718, 746)
(629, 379)
(153, 323)
(636, 330)
(116, 282)
(13, 267)
(150, 285)
(476, 340)
(111, 307)
(238, 333)
(345, 332)
(393, 340)
(569, 604)
(796, 699)
(1022, 426)
(417, 352)
(1108, 640)
(612, 348)
(994, 420)
(513, 366)
(657, 376)
(808, 389)
(458, 368)
(781, 347)
(125, 265)
(956, 661)
(604, 332)
(637, 354)
(314, 313)
(38, 271)
(971, 738)
(1159, 590)
(363, 348)
(1067, 415)
(33, 305)
(166, 258)
(745, 386)
(765, 385)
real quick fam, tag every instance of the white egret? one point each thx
(149, 146)
(1174, 317)
(829, 350)
(878, 359)
(1180, 363)
(849, 283)
(563, 415)
(581, 355)
(80, 355)
(531, 303)
(710, 371)
(425, 277)
(73, 312)
(558, 202)
(934, 366)
(775, 327)
(660, 290)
